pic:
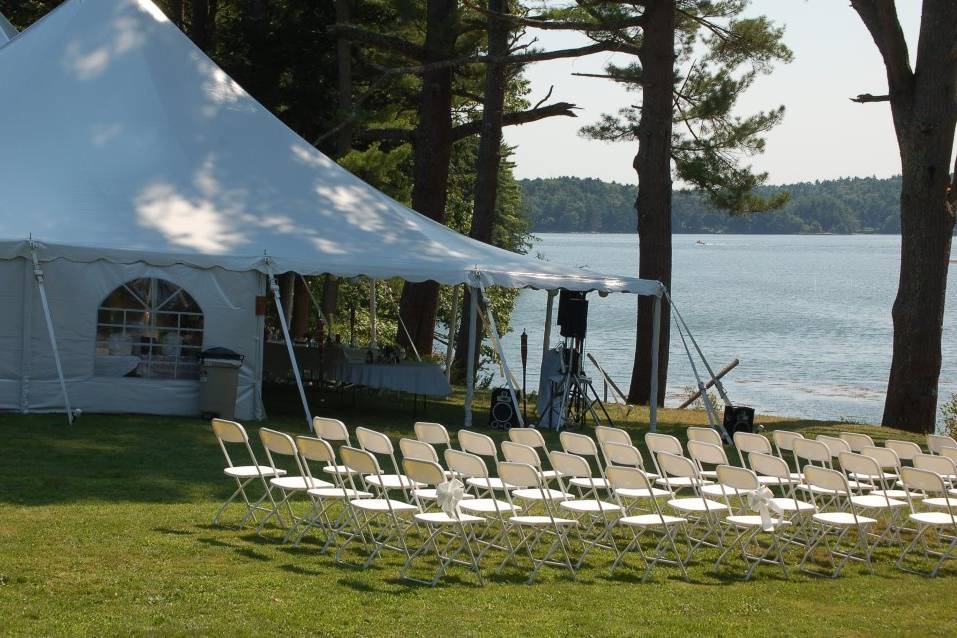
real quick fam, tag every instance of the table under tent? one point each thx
(150, 192)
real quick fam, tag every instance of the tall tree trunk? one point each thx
(432, 151)
(174, 10)
(202, 29)
(653, 165)
(924, 108)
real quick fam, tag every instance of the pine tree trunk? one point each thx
(203, 26)
(653, 165)
(486, 171)
(431, 155)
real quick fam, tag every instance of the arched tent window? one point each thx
(149, 328)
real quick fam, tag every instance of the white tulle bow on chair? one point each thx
(761, 501)
(448, 495)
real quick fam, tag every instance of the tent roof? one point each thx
(127, 143)
(7, 30)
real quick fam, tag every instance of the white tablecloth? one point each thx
(412, 377)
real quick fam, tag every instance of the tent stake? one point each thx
(292, 353)
(38, 274)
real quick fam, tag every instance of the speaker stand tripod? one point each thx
(577, 397)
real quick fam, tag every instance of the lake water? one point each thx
(808, 316)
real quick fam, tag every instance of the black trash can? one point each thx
(218, 381)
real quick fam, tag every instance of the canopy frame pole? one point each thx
(655, 341)
(315, 302)
(547, 338)
(450, 344)
(274, 285)
(398, 313)
(373, 336)
(38, 275)
(718, 385)
(501, 356)
(470, 364)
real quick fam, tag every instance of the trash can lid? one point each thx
(221, 353)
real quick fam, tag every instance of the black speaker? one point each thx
(738, 418)
(572, 314)
(502, 414)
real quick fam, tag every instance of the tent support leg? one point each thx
(398, 313)
(450, 344)
(374, 338)
(292, 353)
(655, 340)
(501, 355)
(547, 340)
(38, 274)
(470, 364)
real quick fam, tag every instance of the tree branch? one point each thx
(540, 22)
(880, 18)
(378, 40)
(867, 97)
(517, 117)
(386, 135)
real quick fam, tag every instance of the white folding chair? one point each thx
(518, 453)
(418, 449)
(605, 435)
(316, 450)
(590, 510)
(875, 502)
(456, 528)
(825, 481)
(857, 441)
(433, 433)
(942, 523)
(336, 433)
(795, 510)
(905, 450)
(482, 446)
(703, 514)
(533, 528)
(937, 441)
(379, 522)
(707, 455)
(784, 444)
(816, 453)
(705, 435)
(658, 443)
(944, 466)
(585, 447)
(747, 527)
(381, 483)
(533, 439)
(627, 456)
(630, 480)
(232, 433)
(280, 444)
(747, 443)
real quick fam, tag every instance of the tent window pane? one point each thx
(149, 328)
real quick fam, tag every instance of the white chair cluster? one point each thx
(597, 493)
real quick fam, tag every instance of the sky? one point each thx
(823, 135)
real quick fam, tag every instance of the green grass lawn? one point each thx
(105, 530)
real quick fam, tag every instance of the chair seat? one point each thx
(391, 481)
(697, 505)
(900, 495)
(548, 475)
(639, 492)
(488, 483)
(942, 502)
(871, 501)
(678, 482)
(793, 505)
(248, 471)
(651, 520)
(338, 492)
(338, 469)
(721, 490)
(488, 506)
(935, 519)
(709, 474)
(382, 505)
(535, 494)
(298, 483)
(441, 518)
(814, 489)
(888, 476)
(771, 481)
(754, 520)
(588, 483)
(842, 519)
(541, 521)
(590, 506)
(429, 494)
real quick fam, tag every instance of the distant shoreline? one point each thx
(712, 233)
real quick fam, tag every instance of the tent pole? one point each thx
(315, 302)
(470, 364)
(501, 356)
(655, 340)
(450, 344)
(292, 353)
(547, 341)
(398, 313)
(38, 274)
(373, 337)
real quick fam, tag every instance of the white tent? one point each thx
(133, 156)
(7, 30)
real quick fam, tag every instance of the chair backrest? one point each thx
(520, 475)
(277, 442)
(935, 463)
(465, 464)
(423, 471)
(316, 450)
(676, 466)
(834, 445)
(705, 435)
(331, 429)
(662, 443)
(624, 455)
(937, 441)
(527, 436)
(747, 442)
(826, 478)
(579, 444)
(477, 443)
(948, 452)
(769, 465)
(784, 440)
(229, 431)
(359, 461)
(812, 451)
(434, 433)
(884, 456)
(919, 479)
(569, 465)
(739, 478)
(707, 453)
(416, 449)
(856, 440)
(861, 465)
(621, 477)
(906, 450)
(375, 442)
(605, 434)
(518, 453)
